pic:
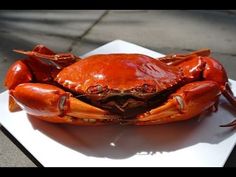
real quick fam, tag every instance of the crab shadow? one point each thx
(120, 142)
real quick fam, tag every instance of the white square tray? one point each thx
(198, 142)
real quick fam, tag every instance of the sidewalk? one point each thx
(82, 31)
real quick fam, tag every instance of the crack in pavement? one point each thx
(38, 33)
(76, 39)
(229, 12)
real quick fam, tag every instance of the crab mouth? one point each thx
(123, 105)
(129, 106)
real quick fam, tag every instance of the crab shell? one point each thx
(101, 76)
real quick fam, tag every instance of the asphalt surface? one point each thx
(79, 32)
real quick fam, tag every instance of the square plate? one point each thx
(197, 142)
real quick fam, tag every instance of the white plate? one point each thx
(197, 142)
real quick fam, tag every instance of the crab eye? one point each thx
(96, 89)
(145, 88)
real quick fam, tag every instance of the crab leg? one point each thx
(49, 57)
(62, 56)
(44, 52)
(52, 103)
(187, 102)
(178, 58)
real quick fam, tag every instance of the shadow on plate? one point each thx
(119, 142)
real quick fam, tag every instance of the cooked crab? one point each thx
(116, 88)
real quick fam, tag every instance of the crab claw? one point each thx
(189, 101)
(18, 73)
(52, 103)
(40, 99)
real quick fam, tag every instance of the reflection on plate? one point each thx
(197, 142)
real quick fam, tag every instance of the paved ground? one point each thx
(82, 31)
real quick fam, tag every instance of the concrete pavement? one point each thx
(168, 32)
(82, 31)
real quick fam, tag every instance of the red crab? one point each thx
(116, 88)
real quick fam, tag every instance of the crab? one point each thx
(117, 88)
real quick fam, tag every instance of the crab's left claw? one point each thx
(189, 101)
(198, 64)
